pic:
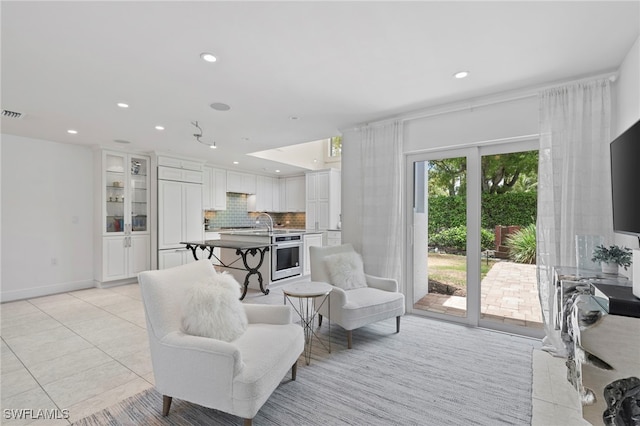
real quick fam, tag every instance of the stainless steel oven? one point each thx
(286, 256)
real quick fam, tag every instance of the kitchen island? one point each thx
(241, 250)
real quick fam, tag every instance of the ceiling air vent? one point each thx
(12, 114)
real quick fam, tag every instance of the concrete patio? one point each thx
(509, 294)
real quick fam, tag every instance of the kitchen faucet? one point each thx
(269, 225)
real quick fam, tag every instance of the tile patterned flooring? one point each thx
(508, 294)
(86, 350)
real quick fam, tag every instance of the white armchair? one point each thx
(235, 377)
(355, 308)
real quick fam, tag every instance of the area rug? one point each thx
(431, 373)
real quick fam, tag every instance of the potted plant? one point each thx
(612, 258)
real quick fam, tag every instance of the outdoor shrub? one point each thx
(456, 238)
(487, 239)
(446, 212)
(511, 208)
(522, 245)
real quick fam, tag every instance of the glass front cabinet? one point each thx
(124, 207)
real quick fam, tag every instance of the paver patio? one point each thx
(509, 294)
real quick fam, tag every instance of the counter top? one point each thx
(238, 245)
(262, 232)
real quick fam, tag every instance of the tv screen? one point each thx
(625, 181)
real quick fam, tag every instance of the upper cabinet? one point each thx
(323, 199)
(242, 183)
(294, 194)
(278, 195)
(214, 189)
(125, 193)
(262, 200)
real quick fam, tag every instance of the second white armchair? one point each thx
(359, 299)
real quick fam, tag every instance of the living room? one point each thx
(47, 206)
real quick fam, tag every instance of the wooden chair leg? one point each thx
(294, 370)
(319, 320)
(349, 338)
(166, 404)
(398, 324)
(247, 422)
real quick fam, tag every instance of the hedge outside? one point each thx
(510, 208)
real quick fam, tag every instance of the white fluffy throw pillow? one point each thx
(213, 309)
(346, 270)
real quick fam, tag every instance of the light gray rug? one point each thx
(432, 373)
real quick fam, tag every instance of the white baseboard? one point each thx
(46, 290)
(110, 284)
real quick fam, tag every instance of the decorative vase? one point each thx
(609, 268)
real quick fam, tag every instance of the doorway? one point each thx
(472, 230)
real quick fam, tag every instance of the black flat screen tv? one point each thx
(625, 181)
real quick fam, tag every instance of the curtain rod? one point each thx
(497, 99)
(488, 142)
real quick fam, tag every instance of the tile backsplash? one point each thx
(236, 215)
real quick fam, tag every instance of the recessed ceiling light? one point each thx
(159, 127)
(208, 57)
(123, 105)
(73, 132)
(277, 171)
(461, 74)
(212, 146)
(219, 106)
(235, 162)
(121, 141)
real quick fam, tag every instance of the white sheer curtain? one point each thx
(573, 182)
(381, 177)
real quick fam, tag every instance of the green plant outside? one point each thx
(456, 238)
(511, 208)
(522, 245)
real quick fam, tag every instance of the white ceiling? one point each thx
(332, 64)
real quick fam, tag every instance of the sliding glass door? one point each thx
(440, 228)
(461, 203)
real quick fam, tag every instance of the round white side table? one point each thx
(307, 294)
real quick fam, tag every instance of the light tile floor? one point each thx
(86, 350)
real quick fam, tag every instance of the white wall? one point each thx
(628, 91)
(473, 125)
(627, 106)
(47, 214)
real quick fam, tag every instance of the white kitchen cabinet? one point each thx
(333, 238)
(170, 258)
(242, 183)
(180, 163)
(125, 257)
(277, 196)
(179, 213)
(295, 194)
(322, 199)
(214, 188)
(122, 209)
(262, 200)
(310, 240)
